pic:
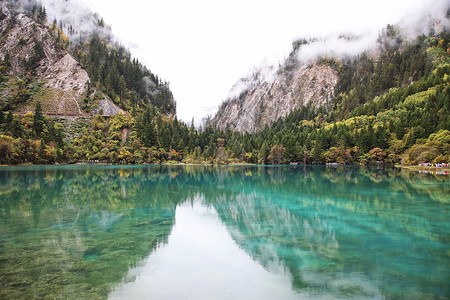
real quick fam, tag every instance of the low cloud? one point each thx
(339, 46)
(265, 72)
(435, 16)
(424, 20)
(75, 14)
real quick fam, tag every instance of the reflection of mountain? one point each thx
(336, 231)
(343, 238)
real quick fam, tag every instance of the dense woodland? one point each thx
(394, 108)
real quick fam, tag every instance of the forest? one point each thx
(387, 110)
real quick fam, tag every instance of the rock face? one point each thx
(107, 108)
(266, 98)
(30, 45)
(67, 75)
(306, 77)
(19, 36)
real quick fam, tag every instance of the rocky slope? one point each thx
(309, 77)
(35, 53)
(265, 98)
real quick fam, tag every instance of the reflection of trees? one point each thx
(336, 221)
(78, 230)
(87, 225)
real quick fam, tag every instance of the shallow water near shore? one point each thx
(211, 232)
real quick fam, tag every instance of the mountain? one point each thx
(113, 70)
(331, 101)
(268, 97)
(322, 72)
(328, 102)
(105, 75)
(64, 101)
(36, 67)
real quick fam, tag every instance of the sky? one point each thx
(204, 47)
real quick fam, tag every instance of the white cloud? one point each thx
(264, 72)
(337, 46)
(75, 13)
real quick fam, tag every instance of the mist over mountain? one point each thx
(271, 92)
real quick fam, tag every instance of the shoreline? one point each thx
(411, 168)
(423, 168)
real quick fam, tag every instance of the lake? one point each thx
(211, 232)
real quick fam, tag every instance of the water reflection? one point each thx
(77, 232)
(201, 261)
(350, 233)
(74, 232)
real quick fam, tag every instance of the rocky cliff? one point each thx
(268, 95)
(35, 54)
(309, 75)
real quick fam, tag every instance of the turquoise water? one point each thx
(205, 232)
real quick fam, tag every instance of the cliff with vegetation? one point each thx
(389, 105)
(327, 78)
(51, 88)
(36, 66)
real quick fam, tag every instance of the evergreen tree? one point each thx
(146, 129)
(38, 120)
(264, 153)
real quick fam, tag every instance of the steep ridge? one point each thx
(319, 71)
(31, 54)
(267, 99)
(111, 67)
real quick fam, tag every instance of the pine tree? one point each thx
(38, 120)
(146, 129)
(263, 154)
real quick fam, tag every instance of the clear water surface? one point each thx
(208, 232)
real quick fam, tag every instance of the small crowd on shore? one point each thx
(434, 165)
(435, 172)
